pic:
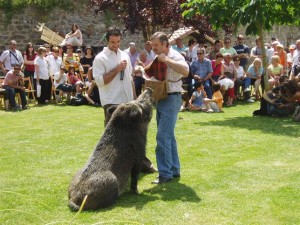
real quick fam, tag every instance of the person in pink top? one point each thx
(13, 82)
(74, 80)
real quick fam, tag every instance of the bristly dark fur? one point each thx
(118, 155)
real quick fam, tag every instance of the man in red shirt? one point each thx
(13, 82)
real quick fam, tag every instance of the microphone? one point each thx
(122, 75)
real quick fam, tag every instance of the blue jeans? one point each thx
(166, 150)
(247, 82)
(11, 93)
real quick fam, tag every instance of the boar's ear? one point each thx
(111, 109)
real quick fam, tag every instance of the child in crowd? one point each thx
(74, 80)
(196, 102)
(216, 103)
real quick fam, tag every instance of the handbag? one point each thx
(38, 90)
(157, 71)
(159, 89)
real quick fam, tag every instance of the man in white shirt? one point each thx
(112, 72)
(11, 57)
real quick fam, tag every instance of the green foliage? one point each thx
(236, 169)
(255, 14)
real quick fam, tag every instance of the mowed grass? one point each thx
(236, 169)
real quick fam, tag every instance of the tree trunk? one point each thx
(264, 59)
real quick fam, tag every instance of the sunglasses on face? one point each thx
(17, 68)
(200, 53)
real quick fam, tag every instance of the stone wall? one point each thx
(22, 28)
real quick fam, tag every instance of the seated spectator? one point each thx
(241, 78)
(13, 82)
(228, 79)
(196, 102)
(216, 103)
(255, 72)
(202, 71)
(275, 70)
(74, 80)
(92, 93)
(228, 48)
(60, 83)
(71, 58)
(218, 68)
(87, 61)
(74, 37)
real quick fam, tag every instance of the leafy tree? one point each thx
(257, 15)
(150, 16)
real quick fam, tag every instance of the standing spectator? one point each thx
(13, 82)
(213, 53)
(256, 52)
(41, 75)
(271, 51)
(227, 47)
(282, 57)
(202, 71)
(112, 72)
(74, 37)
(242, 50)
(150, 53)
(54, 62)
(48, 49)
(132, 52)
(290, 57)
(139, 71)
(29, 56)
(87, 61)
(189, 51)
(296, 55)
(167, 110)
(11, 57)
(179, 46)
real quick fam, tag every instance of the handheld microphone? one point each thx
(122, 75)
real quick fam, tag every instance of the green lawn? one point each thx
(236, 169)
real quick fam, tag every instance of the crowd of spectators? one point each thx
(228, 64)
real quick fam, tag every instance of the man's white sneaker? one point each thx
(210, 111)
(250, 100)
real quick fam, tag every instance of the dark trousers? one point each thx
(45, 90)
(10, 94)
